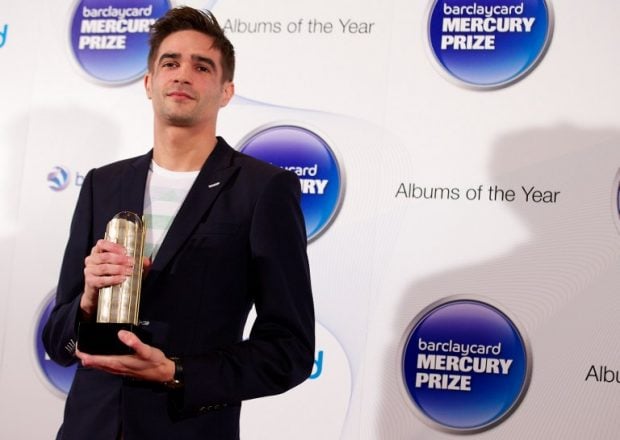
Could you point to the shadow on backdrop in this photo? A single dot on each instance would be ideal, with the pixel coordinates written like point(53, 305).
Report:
point(559, 285)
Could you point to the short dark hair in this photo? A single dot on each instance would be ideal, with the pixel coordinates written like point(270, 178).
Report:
point(185, 18)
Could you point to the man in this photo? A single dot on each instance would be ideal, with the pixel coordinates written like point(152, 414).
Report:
point(237, 239)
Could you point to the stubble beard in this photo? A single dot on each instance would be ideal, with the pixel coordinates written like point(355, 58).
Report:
point(179, 118)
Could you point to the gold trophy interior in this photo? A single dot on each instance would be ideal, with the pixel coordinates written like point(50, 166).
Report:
point(118, 306)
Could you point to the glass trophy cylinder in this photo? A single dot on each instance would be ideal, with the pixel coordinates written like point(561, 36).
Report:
point(118, 306)
point(120, 303)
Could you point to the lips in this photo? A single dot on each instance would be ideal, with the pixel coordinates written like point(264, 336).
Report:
point(180, 94)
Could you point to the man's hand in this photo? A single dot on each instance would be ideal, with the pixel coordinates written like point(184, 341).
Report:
point(147, 363)
point(107, 265)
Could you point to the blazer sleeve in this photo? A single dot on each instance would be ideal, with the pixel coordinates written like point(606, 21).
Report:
point(279, 353)
point(60, 331)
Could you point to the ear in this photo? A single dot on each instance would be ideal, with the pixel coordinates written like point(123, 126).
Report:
point(228, 92)
point(147, 84)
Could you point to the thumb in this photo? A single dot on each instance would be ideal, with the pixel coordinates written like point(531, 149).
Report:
point(132, 341)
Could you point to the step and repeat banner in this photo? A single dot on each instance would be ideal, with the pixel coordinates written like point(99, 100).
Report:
point(460, 168)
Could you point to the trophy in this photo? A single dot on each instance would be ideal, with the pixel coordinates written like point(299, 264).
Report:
point(118, 305)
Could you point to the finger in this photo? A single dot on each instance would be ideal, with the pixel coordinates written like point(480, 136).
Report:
point(123, 365)
point(98, 282)
point(111, 364)
point(130, 339)
point(106, 275)
point(146, 265)
point(108, 246)
point(108, 258)
point(107, 269)
point(87, 359)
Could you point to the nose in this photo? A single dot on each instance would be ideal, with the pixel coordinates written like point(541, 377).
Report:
point(183, 74)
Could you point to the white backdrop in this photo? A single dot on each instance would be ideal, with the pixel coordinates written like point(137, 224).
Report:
point(392, 118)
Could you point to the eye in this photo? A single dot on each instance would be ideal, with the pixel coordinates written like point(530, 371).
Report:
point(168, 65)
point(202, 68)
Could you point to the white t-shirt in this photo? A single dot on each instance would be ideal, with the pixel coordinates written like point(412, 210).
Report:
point(165, 192)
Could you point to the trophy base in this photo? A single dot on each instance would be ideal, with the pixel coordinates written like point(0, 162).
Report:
point(102, 338)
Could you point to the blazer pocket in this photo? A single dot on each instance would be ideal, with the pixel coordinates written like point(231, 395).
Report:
point(212, 229)
point(218, 237)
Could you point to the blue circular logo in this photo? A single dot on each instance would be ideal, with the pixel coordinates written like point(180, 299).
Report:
point(59, 377)
point(110, 39)
point(465, 365)
point(489, 44)
point(58, 179)
point(306, 154)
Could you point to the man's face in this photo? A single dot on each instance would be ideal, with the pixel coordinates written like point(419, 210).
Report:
point(185, 83)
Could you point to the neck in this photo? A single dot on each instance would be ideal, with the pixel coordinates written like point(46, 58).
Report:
point(182, 148)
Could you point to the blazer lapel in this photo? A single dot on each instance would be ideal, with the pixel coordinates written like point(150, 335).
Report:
point(134, 183)
point(213, 176)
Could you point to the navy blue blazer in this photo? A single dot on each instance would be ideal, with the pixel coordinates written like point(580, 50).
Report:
point(238, 239)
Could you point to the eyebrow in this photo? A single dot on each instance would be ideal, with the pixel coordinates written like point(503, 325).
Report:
point(199, 58)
